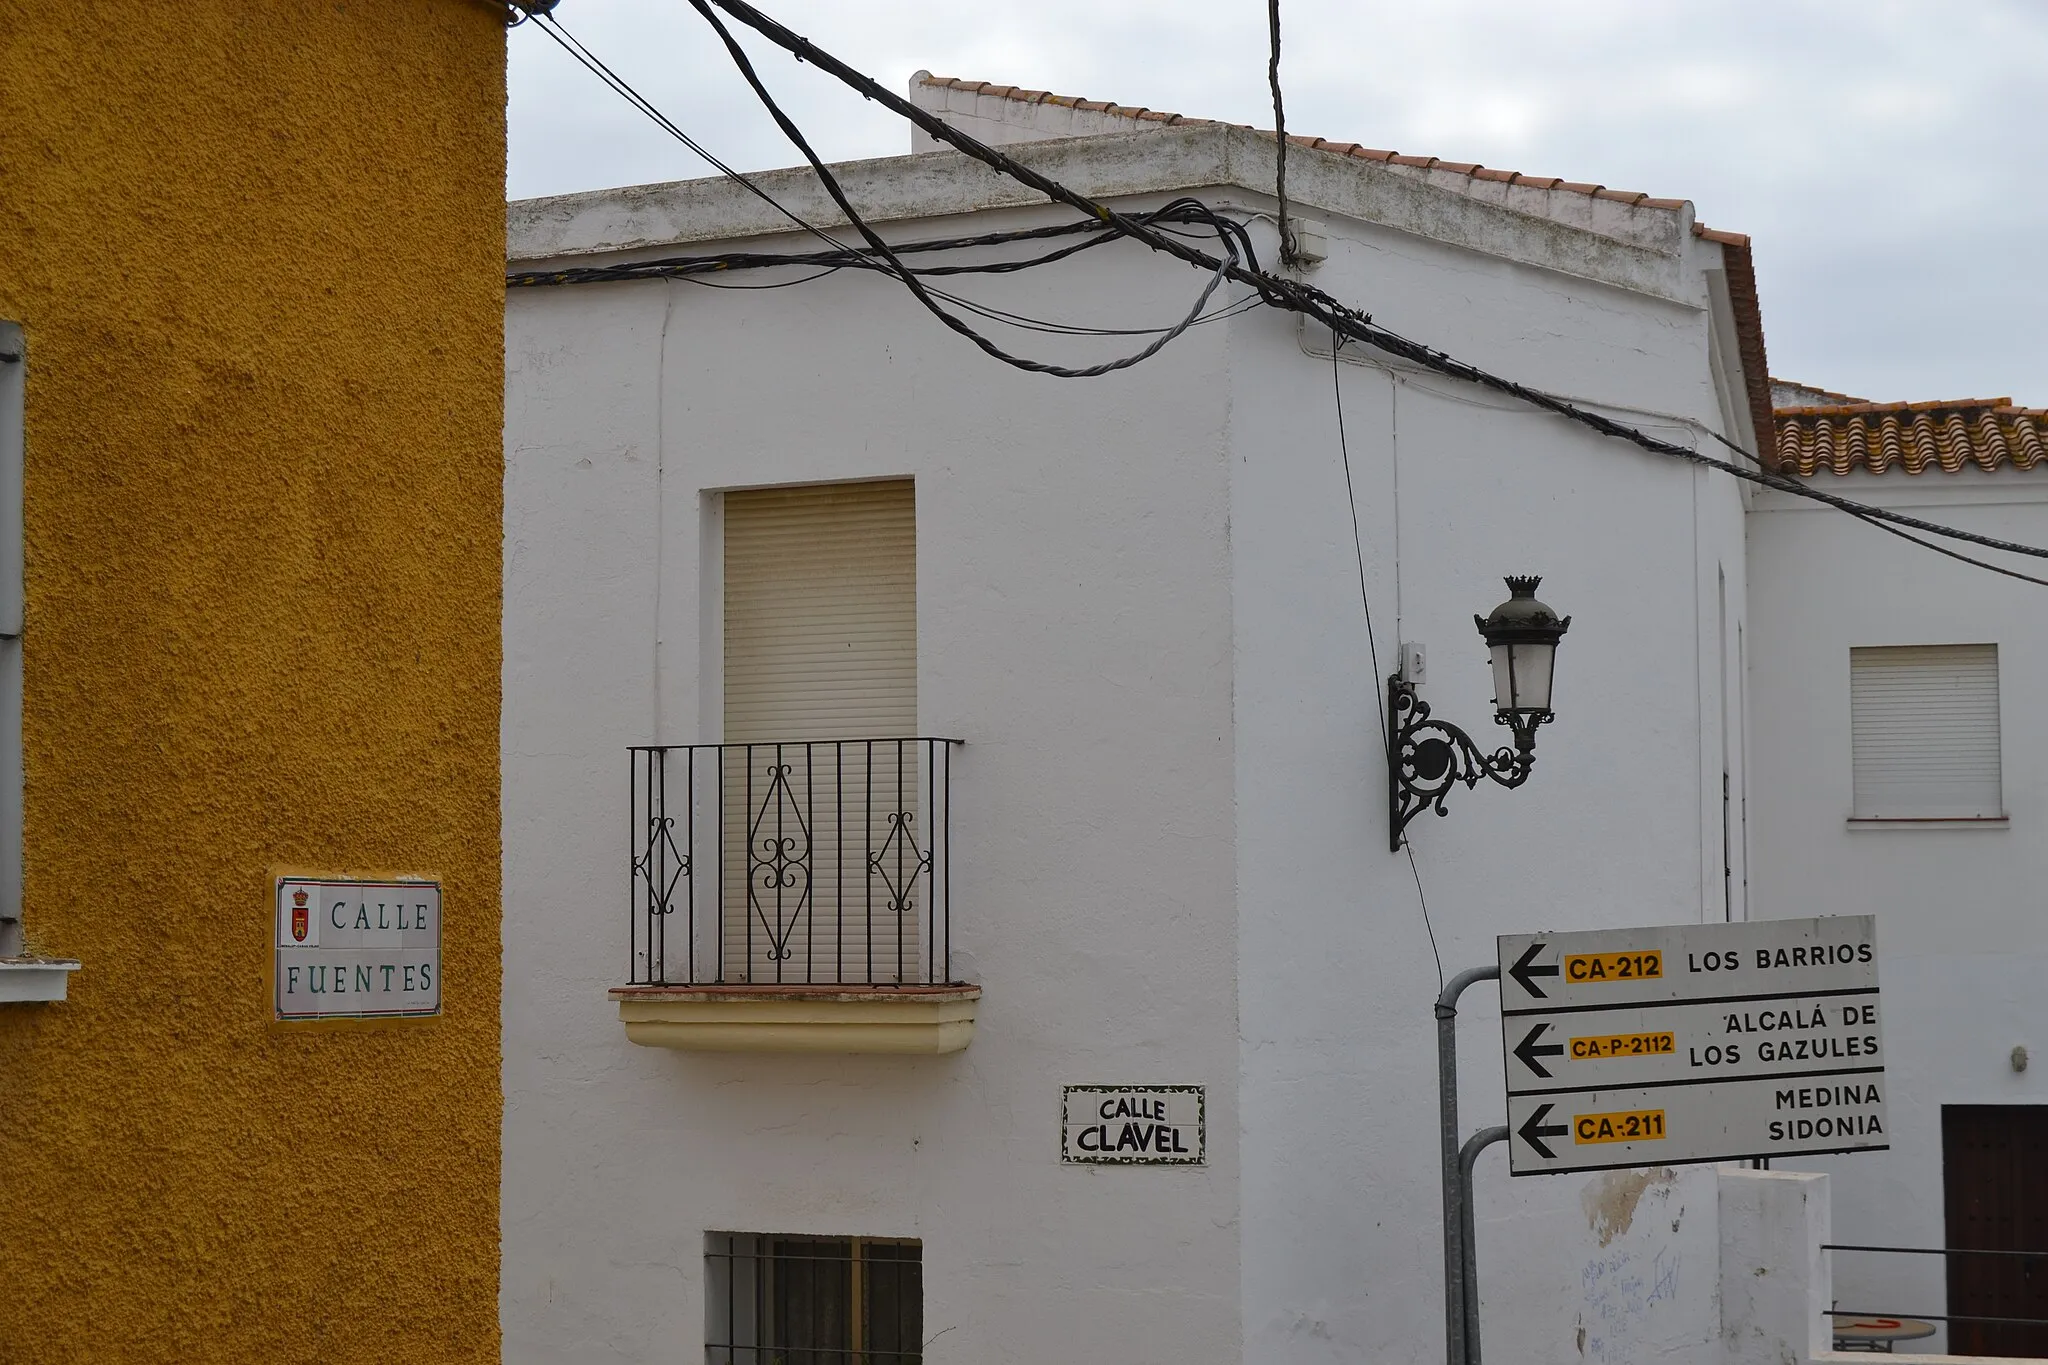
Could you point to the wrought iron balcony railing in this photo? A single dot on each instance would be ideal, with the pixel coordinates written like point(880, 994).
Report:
point(793, 863)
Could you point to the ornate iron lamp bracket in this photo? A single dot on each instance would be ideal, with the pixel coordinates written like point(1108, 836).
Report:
point(1426, 757)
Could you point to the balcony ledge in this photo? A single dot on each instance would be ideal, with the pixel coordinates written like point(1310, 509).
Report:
point(905, 1020)
point(34, 979)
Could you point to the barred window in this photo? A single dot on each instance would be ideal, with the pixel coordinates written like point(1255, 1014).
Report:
point(776, 1299)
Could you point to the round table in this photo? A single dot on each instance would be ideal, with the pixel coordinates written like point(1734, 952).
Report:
point(1878, 1334)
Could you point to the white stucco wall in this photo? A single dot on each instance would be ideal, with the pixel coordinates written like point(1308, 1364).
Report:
point(1138, 604)
point(1074, 625)
point(1962, 938)
point(1338, 979)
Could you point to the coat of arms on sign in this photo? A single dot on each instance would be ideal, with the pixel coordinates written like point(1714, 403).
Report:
point(300, 917)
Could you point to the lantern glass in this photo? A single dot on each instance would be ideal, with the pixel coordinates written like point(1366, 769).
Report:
point(1521, 676)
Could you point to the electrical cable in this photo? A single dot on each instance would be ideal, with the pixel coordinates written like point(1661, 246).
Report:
point(909, 278)
point(1293, 295)
point(1303, 298)
point(779, 284)
point(1680, 421)
point(1416, 873)
point(592, 63)
point(1371, 642)
point(840, 255)
point(1279, 135)
point(1972, 560)
point(690, 268)
point(1182, 210)
point(1445, 364)
point(1952, 554)
point(687, 267)
point(1031, 324)
point(525, 9)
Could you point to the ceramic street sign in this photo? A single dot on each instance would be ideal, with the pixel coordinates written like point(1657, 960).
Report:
point(1144, 1125)
point(357, 949)
point(1704, 1042)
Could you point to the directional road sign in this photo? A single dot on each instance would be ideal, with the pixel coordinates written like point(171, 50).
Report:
point(1700, 1042)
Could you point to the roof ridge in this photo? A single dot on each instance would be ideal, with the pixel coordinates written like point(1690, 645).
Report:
point(1819, 391)
point(1919, 405)
point(1469, 169)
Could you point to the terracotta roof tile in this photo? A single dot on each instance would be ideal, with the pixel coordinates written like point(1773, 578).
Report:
point(1947, 435)
point(1739, 264)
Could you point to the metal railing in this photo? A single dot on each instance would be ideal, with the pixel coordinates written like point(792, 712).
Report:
point(792, 863)
point(1966, 1318)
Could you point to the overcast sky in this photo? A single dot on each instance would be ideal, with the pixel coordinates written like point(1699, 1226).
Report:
point(1887, 158)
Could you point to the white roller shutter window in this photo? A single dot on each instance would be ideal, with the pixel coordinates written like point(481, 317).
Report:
point(821, 612)
point(820, 645)
point(1923, 723)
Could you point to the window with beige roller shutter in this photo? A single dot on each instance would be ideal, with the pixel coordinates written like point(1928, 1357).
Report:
point(1924, 732)
point(821, 790)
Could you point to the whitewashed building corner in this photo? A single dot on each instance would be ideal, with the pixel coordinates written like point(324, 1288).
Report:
point(1029, 962)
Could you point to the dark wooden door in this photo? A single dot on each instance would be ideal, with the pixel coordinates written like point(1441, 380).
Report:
point(1994, 1161)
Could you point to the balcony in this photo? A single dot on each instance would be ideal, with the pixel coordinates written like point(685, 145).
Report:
point(794, 896)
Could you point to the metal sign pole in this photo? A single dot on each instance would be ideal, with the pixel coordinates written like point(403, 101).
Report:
point(1447, 1133)
point(1467, 1156)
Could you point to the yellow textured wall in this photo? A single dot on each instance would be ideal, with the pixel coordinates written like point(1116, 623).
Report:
point(256, 246)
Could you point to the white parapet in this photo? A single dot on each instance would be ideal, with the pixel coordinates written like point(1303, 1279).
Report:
point(1776, 1286)
point(1776, 1282)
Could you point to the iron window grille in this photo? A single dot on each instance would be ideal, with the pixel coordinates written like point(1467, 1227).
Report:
point(775, 1299)
point(792, 863)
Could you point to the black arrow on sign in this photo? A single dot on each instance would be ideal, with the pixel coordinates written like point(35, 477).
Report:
point(1535, 1130)
point(1529, 1052)
point(1522, 971)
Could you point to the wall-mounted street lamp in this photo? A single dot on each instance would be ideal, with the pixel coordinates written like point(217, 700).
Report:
point(1425, 757)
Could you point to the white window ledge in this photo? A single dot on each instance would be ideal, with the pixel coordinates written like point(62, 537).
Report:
point(1929, 822)
point(34, 978)
point(898, 1019)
